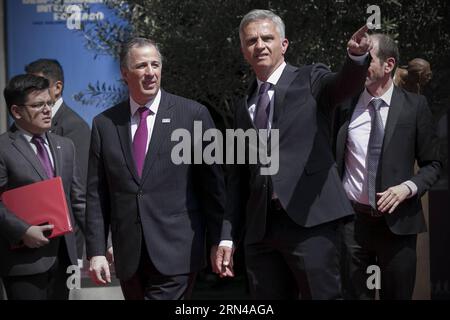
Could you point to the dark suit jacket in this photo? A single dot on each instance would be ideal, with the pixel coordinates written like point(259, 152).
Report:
point(20, 166)
point(409, 136)
point(307, 183)
point(68, 123)
point(171, 204)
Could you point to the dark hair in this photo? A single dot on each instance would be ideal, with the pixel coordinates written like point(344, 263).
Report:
point(135, 43)
point(387, 48)
point(19, 87)
point(50, 68)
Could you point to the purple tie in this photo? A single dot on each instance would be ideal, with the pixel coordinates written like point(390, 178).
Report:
point(262, 107)
point(140, 140)
point(42, 154)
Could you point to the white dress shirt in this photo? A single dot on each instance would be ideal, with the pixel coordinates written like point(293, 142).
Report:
point(153, 105)
point(355, 176)
point(56, 106)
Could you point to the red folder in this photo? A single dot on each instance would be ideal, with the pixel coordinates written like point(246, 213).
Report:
point(40, 203)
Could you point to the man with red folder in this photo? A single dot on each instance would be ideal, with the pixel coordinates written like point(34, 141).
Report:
point(33, 266)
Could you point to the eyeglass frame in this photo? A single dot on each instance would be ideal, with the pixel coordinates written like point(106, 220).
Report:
point(37, 108)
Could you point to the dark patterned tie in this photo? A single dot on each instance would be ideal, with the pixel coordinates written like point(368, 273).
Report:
point(262, 107)
point(140, 139)
point(43, 156)
point(374, 149)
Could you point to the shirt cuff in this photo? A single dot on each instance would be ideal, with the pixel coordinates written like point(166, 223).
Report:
point(358, 59)
point(226, 243)
point(412, 186)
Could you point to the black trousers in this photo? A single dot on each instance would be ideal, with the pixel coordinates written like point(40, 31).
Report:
point(294, 262)
point(149, 284)
point(50, 285)
point(369, 241)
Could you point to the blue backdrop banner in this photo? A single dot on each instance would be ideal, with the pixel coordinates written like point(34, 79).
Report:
point(42, 29)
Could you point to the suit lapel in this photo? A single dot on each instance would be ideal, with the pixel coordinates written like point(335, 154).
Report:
point(160, 132)
point(395, 109)
point(281, 88)
point(22, 145)
point(250, 92)
point(124, 131)
point(56, 128)
point(56, 150)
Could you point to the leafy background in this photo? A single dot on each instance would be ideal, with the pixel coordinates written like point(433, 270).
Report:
point(200, 43)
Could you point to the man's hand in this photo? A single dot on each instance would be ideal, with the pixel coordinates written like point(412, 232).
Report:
point(224, 262)
point(99, 270)
point(34, 236)
point(392, 197)
point(360, 43)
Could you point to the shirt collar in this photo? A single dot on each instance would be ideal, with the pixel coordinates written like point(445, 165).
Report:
point(275, 76)
point(386, 97)
point(56, 106)
point(152, 104)
point(28, 136)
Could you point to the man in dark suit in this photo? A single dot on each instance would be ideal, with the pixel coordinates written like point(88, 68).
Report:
point(158, 211)
point(381, 133)
point(30, 153)
point(291, 217)
point(65, 122)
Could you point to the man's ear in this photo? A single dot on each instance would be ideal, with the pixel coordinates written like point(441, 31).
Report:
point(15, 112)
point(284, 45)
point(389, 65)
point(58, 88)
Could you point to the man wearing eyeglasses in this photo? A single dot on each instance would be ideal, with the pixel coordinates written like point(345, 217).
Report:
point(65, 122)
point(29, 153)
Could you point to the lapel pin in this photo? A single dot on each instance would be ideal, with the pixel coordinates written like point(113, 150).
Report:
point(166, 120)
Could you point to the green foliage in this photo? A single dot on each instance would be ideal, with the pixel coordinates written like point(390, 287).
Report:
point(200, 42)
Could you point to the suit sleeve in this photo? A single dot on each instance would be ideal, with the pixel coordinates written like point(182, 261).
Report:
point(427, 153)
point(11, 227)
point(79, 133)
point(330, 89)
point(97, 205)
point(212, 187)
point(237, 194)
point(77, 194)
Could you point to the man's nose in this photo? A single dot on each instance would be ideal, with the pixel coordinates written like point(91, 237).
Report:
point(149, 71)
point(260, 43)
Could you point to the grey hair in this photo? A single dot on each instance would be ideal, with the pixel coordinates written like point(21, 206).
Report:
point(136, 43)
point(259, 14)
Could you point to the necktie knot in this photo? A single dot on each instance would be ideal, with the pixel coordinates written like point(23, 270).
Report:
point(143, 113)
point(38, 139)
point(265, 86)
point(376, 104)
